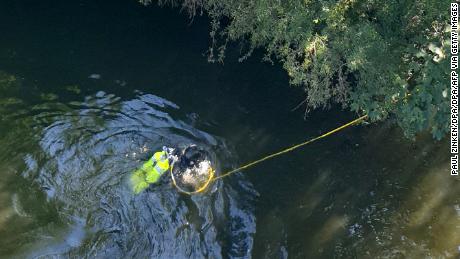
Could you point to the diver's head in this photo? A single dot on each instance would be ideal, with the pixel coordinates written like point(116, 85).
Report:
point(193, 168)
point(193, 155)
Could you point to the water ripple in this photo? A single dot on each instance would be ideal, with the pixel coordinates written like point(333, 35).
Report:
point(87, 150)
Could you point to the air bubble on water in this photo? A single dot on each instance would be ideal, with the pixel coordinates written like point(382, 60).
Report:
point(444, 93)
point(457, 209)
point(354, 229)
point(100, 94)
point(17, 206)
point(94, 76)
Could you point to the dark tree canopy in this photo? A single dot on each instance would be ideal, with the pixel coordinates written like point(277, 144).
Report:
point(381, 58)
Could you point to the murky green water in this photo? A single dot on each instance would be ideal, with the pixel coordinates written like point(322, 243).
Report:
point(88, 90)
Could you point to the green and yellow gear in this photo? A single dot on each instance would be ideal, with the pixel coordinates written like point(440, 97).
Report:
point(150, 172)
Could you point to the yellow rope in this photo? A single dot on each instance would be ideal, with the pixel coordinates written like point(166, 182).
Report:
point(212, 178)
point(291, 148)
point(201, 189)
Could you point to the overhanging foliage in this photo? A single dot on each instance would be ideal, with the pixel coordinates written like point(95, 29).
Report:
point(381, 58)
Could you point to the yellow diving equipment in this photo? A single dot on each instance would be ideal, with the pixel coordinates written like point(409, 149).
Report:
point(150, 172)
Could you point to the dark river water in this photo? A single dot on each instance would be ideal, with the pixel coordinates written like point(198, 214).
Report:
point(89, 89)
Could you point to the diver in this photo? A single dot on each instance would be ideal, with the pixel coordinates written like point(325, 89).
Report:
point(152, 170)
point(189, 159)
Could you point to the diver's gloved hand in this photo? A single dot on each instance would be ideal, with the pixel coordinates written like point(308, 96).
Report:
point(171, 156)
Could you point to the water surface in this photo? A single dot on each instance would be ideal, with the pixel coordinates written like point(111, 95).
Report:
point(88, 90)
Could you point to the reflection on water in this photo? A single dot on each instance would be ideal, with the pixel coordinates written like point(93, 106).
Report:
point(392, 200)
point(84, 154)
